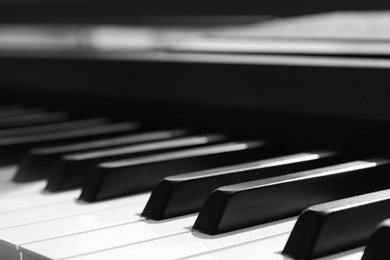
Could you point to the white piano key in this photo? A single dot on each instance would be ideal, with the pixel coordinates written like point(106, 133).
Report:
point(12, 238)
point(36, 199)
point(121, 235)
point(71, 225)
point(269, 249)
point(355, 254)
point(262, 254)
point(62, 210)
point(246, 251)
point(13, 189)
point(183, 244)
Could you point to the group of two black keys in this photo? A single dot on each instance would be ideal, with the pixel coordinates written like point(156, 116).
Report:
point(266, 183)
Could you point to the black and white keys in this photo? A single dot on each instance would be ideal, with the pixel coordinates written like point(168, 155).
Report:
point(91, 231)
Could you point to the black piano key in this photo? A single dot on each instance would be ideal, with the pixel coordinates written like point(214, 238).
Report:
point(337, 226)
point(33, 119)
point(12, 148)
point(47, 128)
point(37, 163)
point(72, 170)
point(252, 203)
point(378, 244)
point(184, 194)
point(114, 179)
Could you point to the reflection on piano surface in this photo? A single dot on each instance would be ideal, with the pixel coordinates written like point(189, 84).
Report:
point(122, 142)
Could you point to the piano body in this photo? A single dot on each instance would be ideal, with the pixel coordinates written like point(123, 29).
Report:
point(302, 101)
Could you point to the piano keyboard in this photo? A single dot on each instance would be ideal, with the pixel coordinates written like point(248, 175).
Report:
point(228, 198)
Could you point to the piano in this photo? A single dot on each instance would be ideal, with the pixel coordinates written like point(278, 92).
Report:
point(145, 141)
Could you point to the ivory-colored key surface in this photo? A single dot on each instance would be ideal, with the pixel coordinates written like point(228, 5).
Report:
point(13, 189)
point(259, 254)
point(113, 237)
point(62, 210)
point(171, 247)
point(36, 199)
point(71, 225)
point(267, 249)
point(12, 238)
point(247, 251)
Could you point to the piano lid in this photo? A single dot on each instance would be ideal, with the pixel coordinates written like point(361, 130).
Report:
point(337, 77)
point(340, 34)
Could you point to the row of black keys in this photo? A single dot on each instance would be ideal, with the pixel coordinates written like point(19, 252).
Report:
point(109, 160)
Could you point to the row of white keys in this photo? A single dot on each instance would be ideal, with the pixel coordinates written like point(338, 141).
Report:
point(61, 219)
point(63, 209)
point(269, 249)
point(34, 199)
point(113, 237)
point(166, 240)
point(13, 238)
point(267, 245)
point(101, 238)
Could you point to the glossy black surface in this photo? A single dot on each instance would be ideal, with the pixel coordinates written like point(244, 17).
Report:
point(37, 163)
point(54, 127)
point(185, 194)
point(17, 145)
point(378, 245)
point(32, 119)
point(242, 205)
point(116, 179)
point(72, 170)
point(337, 226)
